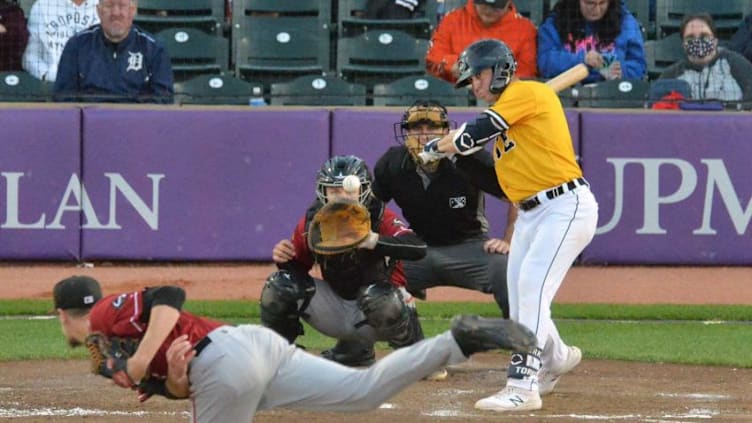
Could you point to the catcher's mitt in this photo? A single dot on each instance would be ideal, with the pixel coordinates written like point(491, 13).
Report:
point(338, 227)
point(109, 357)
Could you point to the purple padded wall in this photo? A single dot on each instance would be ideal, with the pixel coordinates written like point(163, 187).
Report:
point(39, 161)
point(673, 188)
point(231, 183)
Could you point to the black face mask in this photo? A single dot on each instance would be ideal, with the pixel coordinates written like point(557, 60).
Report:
point(699, 48)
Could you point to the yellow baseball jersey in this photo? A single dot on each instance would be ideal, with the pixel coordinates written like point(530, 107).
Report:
point(534, 151)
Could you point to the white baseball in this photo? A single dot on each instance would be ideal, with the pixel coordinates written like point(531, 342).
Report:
point(351, 183)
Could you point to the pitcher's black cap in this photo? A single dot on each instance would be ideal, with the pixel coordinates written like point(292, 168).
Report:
point(76, 292)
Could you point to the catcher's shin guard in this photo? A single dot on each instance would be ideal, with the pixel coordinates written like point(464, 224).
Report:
point(284, 298)
point(386, 311)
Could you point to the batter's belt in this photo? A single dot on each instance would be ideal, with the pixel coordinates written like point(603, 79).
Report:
point(552, 193)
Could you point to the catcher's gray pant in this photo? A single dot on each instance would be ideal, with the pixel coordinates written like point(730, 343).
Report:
point(464, 265)
point(249, 368)
point(334, 316)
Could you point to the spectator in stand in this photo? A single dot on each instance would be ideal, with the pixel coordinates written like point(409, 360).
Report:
point(477, 20)
point(13, 36)
point(602, 34)
point(713, 72)
point(392, 9)
point(115, 61)
point(51, 24)
point(741, 41)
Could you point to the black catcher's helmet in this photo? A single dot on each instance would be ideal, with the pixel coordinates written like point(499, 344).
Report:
point(334, 171)
point(486, 54)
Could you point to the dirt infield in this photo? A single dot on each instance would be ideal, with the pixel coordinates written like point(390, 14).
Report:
point(606, 391)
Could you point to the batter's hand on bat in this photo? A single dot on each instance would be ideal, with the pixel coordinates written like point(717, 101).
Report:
point(496, 246)
point(431, 152)
point(283, 252)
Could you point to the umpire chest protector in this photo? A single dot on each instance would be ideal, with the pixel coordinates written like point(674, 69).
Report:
point(346, 273)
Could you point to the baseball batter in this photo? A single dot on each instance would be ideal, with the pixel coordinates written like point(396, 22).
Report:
point(536, 168)
point(230, 372)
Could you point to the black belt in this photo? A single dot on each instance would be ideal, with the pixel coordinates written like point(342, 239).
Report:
point(203, 343)
point(534, 202)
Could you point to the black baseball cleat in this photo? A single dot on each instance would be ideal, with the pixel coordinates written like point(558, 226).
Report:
point(351, 353)
point(477, 334)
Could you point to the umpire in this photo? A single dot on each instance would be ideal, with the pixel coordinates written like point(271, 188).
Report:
point(444, 204)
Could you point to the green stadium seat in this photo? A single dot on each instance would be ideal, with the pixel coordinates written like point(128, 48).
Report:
point(193, 52)
point(158, 15)
point(317, 90)
point(216, 89)
point(22, 87)
point(405, 91)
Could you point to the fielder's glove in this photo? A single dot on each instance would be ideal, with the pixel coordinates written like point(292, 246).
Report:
point(109, 357)
point(338, 227)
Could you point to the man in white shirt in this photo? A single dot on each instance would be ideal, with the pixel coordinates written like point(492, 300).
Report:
point(51, 24)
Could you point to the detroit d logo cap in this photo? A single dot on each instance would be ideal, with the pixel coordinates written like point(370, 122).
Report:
point(76, 292)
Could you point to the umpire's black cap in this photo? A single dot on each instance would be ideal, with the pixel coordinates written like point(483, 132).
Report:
point(76, 292)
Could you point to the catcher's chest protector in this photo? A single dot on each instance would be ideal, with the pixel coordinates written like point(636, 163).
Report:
point(347, 273)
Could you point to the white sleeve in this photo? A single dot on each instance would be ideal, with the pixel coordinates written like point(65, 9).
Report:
point(33, 62)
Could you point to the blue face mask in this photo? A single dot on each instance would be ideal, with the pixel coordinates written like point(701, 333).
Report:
point(699, 48)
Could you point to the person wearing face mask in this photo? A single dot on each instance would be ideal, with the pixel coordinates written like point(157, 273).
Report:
point(444, 204)
point(713, 72)
point(478, 19)
point(602, 34)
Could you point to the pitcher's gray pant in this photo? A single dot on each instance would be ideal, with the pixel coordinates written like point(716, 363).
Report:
point(249, 368)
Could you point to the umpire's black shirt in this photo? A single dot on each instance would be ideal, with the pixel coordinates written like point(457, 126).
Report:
point(451, 208)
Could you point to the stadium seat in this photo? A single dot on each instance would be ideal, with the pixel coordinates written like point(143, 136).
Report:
point(661, 87)
point(352, 21)
point(20, 87)
point(377, 57)
point(570, 97)
point(25, 5)
point(727, 14)
point(615, 94)
point(317, 90)
point(193, 52)
point(276, 40)
point(157, 15)
point(641, 11)
point(660, 54)
point(531, 9)
point(405, 91)
point(216, 89)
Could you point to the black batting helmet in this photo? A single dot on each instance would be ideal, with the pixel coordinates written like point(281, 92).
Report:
point(485, 54)
point(334, 171)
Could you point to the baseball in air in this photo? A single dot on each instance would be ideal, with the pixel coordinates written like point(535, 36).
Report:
point(351, 183)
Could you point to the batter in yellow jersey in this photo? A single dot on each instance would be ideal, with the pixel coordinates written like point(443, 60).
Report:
point(536, 168)
point(534, 151)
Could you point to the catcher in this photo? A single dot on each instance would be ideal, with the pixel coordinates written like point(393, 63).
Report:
point(230, 372)
point(361, 298)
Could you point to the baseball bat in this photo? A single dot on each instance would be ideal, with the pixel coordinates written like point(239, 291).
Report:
point(568, 78)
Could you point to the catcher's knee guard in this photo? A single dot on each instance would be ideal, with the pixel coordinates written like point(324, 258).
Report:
point(283, 300)
point(386, 311)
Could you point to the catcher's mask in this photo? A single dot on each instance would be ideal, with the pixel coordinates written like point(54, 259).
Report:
point(421, 122)
point(334, 171)
point(486, 54)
